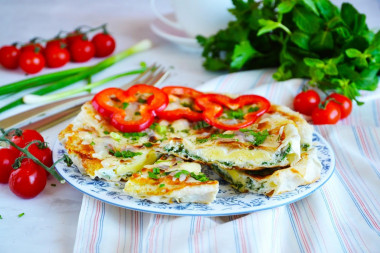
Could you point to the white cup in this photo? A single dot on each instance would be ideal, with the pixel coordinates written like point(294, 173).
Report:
point(198, 17)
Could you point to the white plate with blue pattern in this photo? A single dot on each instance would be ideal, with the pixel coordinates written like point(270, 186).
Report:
point(228, 200)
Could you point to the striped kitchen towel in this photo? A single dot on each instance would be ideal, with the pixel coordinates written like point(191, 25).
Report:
point(342, 216)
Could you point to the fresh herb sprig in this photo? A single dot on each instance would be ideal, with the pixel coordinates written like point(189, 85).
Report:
point(305, 39)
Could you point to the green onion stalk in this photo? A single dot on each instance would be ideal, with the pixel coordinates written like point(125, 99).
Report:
point(32, 99)
point(38, 80)
point(139, 47)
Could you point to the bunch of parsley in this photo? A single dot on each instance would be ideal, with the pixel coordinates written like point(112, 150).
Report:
point(304, 38)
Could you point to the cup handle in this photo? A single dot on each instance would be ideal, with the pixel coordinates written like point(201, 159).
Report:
point(162, 18)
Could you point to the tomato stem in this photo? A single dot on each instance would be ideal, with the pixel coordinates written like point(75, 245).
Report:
point(29, 155)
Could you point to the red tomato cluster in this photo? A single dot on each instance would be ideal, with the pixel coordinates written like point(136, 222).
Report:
point(75, 46)
point(29, 179)
point(330, 111)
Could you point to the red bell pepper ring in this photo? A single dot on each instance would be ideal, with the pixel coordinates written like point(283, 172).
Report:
point(180, 113)
point(213, 106)
point(110, 104)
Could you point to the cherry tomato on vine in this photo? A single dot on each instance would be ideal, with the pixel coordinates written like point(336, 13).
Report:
point(28, 180)
point(74, 36)
point(344, 103)
point(306, 101)
point(61, 43)
point(31, 62)
point(9, 56)
point(27, 136)
point(7, 159)
point(44, 154)
point(104, 44)
point(32, 47)
point(326, 113)
point(56, 56)
point(82, 50)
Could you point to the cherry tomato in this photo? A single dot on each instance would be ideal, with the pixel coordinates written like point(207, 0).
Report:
point(61, 43)
point(44, 155)
point(329, 114)
point(7, 159)
point(104, 44)
point(9, 56)
point(56, 56)
point(306, 101)
point(28, 180)
point(344, 103)
point(27, 136)
point(82, 50)
point(33, 47)
point(31, 62)
point(74, 36)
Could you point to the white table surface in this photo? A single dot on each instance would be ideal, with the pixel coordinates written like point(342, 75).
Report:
point(50, 220)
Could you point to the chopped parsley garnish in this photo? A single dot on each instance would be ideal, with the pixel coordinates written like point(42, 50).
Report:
point(152, 175)
point(124, 153)
point(188, 105)
point(225, 135)
point(305, 146)
point(161, 185)
point(1, 217)
point(141, 100)
point(235, 114)
point(148, 144)
point(92, 143)
point(106, 132)
point(124, 105)
point(21, 214)
point(186, 131)
point(253, 109)
point(200, 140)
point(200, 177)
point(134, 135)
point(156, 171)
point(179, 173)
point(153, 126)
point(200, 125)
point(171, 129)
point(260, 137)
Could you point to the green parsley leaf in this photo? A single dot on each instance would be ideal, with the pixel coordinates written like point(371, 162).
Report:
point(141, 100)
point(156, 171)
point(253, 109)
point(178, 174)
point(152, 175)
point(148, 144)
point(21, 214)
point(235, 114)
point(200, 177)
point(106, 132)
point(124, 153)
point(124, 105)
point(260, 137)
point(92, 143)
point(201, 140)
point(200, 125)
point(1, 217)
point(161, 185)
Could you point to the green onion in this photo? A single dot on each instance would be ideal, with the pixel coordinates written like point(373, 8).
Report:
point(31, 99)
point(21, 214)
point(141, 46)
point(161, 185)
point(39, 80)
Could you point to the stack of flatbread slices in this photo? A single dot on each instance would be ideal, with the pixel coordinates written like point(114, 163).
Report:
point(163, 163)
